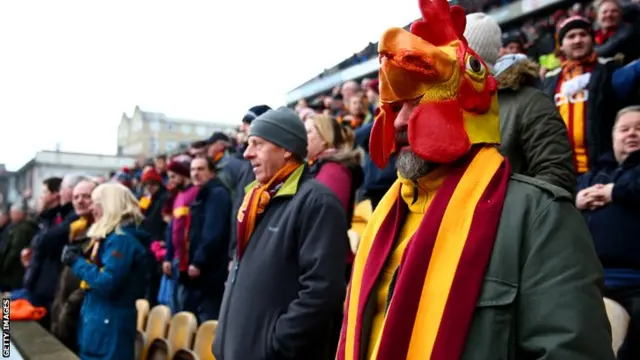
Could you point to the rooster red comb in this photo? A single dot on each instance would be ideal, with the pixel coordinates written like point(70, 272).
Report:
point(437, 14)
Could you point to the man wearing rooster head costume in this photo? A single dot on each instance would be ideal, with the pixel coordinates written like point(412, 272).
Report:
point(461, 259)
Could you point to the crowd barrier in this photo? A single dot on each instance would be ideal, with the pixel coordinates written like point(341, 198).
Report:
point(33, 342)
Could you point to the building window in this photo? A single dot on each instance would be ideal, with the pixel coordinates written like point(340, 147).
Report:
point(154, 125)
point(169, 126)
point(153, 145)
point(170, 146)
point(186, 129)
point(202, 130)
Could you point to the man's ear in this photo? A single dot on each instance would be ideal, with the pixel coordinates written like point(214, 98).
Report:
point(288, 154)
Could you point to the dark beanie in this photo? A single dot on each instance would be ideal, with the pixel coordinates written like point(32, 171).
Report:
point(180, 167)
point(282, 127)
point(254, 112)
point(510, 38)
point(574, 22)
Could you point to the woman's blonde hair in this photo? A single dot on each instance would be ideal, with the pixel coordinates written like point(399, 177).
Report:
point(335, 135)
point(118, 206)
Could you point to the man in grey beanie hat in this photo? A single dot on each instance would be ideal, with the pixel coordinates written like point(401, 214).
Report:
point(282, 127)
point(291, 235)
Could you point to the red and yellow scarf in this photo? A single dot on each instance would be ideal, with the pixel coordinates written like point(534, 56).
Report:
point(255, 202)
point(441, 273)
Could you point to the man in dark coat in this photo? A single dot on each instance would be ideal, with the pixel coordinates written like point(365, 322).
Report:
point(17, 238)
point(208, 241)
point(287, 277)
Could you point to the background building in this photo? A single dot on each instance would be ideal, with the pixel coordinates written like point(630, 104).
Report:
point(57, 163)
point(149, 133)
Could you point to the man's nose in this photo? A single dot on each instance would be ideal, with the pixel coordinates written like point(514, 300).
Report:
point(402, 120)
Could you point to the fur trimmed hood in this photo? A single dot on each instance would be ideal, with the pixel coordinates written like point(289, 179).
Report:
point(346, 157)
point(520, 74)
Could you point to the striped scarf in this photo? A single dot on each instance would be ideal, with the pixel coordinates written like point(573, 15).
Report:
point(255, 202)
point(440, 276)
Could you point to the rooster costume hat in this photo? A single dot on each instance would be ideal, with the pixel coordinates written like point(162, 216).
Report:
point(422, 264)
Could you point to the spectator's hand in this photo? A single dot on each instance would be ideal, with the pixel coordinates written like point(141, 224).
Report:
point(25, 257)
point(166, 268)
point(542, 72)
point(586, 197)
point(603, 194)
point(193, 271)
point(70, 253)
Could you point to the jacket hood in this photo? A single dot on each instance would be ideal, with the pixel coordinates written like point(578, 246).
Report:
point(520, 74)
point(347, 158)
point(138, 232)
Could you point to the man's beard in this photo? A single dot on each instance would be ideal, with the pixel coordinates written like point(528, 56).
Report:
point(411, 166)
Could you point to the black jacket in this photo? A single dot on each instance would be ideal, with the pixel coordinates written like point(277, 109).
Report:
point(282, 295)
point(602, 107)
point(153, 223)
point(41, 277)
point(209, 237)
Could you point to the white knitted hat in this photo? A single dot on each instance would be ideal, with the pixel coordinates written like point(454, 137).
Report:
point(484, 36)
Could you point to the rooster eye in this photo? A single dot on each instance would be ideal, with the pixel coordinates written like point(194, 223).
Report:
point(474, 65)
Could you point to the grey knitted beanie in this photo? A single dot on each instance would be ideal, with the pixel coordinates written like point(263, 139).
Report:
point(484, 36)
point(284, 128)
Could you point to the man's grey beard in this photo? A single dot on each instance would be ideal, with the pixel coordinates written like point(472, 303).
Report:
point(411, 166)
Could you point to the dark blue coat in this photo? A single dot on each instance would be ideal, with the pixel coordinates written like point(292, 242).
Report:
point(41, 277)
point(615, 226)
point(107, 328)
point(209, 237)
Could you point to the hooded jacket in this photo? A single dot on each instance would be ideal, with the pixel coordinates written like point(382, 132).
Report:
point(533, 134)
point(325, 168)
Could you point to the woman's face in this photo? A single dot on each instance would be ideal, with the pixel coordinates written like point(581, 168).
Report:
point(96, 208)
point(315, 143)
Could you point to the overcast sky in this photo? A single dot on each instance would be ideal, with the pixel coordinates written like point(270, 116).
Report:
point(69, 69)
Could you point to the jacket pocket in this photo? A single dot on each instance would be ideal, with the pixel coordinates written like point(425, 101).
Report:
point(491, 335)
point(270, 352)
point(97, 335)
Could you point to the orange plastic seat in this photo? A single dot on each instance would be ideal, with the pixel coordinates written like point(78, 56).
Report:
point(156, 328)
point(204, 340)
point(142, 306)
point(182, 331)
point(619, 320)
point(202, 345)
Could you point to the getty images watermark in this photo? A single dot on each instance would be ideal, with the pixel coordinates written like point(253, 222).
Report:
point(6, 327)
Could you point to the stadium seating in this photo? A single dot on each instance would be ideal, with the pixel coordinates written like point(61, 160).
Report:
point(619, 319)
point(178, 337)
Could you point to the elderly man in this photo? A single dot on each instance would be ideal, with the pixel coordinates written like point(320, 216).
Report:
point(44, 268)
point(287, 278)
point(609, 198)
point(462, 260)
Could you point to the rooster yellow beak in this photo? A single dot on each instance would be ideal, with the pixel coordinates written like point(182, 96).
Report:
point(409, 65)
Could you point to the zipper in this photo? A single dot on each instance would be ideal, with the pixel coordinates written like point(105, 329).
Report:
point(225, 316)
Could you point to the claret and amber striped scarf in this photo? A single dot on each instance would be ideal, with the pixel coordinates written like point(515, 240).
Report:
point(441, 273)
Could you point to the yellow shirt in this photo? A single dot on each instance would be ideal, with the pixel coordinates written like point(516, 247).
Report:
point(427, 188)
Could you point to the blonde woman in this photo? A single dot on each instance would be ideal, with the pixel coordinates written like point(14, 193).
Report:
point(114, 276)
point(334, 162)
